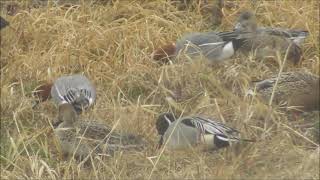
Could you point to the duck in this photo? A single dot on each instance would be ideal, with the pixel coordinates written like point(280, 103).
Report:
point(266, 42)
point(3, 23)
point(294, 88)
point(214, 46)
point(75, 89)
point(191, 131)
point(247, 21)
point(82, 138)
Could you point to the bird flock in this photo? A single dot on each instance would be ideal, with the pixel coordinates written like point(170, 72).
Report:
point(73, 94)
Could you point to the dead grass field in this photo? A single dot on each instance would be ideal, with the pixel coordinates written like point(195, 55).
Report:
point(112, 45)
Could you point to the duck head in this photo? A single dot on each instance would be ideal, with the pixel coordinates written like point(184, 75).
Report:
point(67, 114)
point(163, 122)
point(42, 93)
point(162, 54)
point(246, 22)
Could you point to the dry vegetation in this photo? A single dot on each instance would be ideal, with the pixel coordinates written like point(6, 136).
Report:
point(112, 44)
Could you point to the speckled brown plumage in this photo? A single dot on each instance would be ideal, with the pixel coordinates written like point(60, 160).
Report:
point(296, 88)
point(85, 137)
point(265, 44)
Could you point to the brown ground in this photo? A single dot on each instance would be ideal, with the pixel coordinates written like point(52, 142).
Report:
point(112, 44)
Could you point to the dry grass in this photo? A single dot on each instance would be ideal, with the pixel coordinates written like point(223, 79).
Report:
point(111, 45)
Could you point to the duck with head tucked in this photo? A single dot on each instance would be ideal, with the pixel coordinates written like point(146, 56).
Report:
point(214, 46)
point(84, 138)
point(190, 131)
point(298, 89)
point(266, 41)
point(76, 90)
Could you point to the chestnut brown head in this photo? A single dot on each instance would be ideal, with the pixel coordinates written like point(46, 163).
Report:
point(42, 93)
point(164, 53)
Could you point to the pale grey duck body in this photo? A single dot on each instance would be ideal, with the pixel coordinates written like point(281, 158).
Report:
point(76, 90)
point(214, 46)
point(191, 131)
